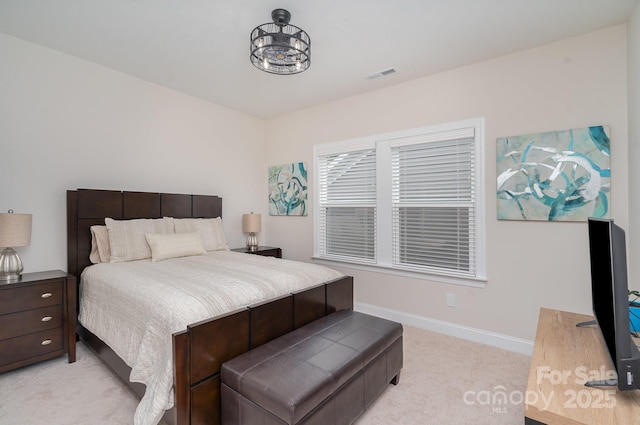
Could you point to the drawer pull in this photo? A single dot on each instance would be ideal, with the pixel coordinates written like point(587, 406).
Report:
point(46, 318)
point(46, 342)
point(46, 295)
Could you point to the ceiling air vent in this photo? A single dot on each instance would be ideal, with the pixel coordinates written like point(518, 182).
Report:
point(382, 73)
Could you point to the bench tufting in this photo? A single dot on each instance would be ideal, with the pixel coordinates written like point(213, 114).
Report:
point(326, 372)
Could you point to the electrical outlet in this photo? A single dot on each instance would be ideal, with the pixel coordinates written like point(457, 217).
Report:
point(451, 300)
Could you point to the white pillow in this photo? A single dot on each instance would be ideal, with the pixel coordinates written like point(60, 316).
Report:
point(100, 252)
point(173, 245)
point(210, 230)
point(127, 237)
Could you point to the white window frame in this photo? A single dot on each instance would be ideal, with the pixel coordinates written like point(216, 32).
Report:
point(384, 237)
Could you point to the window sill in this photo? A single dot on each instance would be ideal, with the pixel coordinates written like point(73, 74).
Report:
point(375, 268)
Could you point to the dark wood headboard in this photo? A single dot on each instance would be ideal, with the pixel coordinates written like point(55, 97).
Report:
point(88, 207)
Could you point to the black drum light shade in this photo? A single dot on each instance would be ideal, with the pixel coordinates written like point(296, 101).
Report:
point(280, 48)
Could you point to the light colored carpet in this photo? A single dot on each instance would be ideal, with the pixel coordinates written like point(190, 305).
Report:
point(444, 381)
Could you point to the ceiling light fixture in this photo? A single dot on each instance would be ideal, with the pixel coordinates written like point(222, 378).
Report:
point(280, 48)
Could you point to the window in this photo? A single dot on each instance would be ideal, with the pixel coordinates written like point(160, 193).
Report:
point(408, 201)
point(348, 205)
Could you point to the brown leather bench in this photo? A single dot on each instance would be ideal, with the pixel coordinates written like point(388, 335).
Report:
point(327, 372)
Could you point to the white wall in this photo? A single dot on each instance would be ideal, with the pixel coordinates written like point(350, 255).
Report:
point(633, 37)
point(570, 84)
point(67, 123)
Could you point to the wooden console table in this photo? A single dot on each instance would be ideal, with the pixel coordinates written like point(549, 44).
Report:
point(564, 357)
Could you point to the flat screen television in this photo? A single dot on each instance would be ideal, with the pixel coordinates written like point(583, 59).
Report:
point(610, 300)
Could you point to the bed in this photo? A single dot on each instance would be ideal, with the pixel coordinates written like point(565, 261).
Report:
point(199, 350)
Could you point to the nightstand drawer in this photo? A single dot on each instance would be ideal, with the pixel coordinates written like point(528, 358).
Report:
point(29, 297)
point(270, 252)
point(24, 347)
point(30, 321)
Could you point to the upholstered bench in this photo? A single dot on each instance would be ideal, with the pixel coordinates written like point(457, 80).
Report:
point(324, 373)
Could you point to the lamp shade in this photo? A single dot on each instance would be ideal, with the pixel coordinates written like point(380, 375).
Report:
point(250, 223)
point(15, 229)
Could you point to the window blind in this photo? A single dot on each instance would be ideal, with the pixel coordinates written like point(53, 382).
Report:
point(347, 205)
point(433, 205)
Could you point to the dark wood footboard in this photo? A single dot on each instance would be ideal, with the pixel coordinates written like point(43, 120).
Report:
point(200, 350)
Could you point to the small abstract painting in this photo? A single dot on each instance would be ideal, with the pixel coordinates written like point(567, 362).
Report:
point(556, 176)
point(288, 189)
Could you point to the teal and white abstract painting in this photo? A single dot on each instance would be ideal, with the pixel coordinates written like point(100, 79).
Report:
point(555, 176)
point(288, 189)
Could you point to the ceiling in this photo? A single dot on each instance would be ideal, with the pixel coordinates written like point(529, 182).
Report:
point(201, 47)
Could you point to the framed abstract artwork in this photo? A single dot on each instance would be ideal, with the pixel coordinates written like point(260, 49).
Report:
point(555, 176)
point(288, 189)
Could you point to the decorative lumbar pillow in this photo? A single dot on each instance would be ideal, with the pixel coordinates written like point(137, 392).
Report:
point(100, 251)
point(173, 245)
point(210, 230)
point(127, 239)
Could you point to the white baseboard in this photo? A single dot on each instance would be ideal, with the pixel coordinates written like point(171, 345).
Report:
point(505, 342)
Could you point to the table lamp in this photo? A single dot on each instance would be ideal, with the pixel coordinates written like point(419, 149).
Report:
point(251, 225)
point(15, 230)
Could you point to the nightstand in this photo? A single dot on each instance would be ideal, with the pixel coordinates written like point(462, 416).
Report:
point(37, 319)
point(266, 251)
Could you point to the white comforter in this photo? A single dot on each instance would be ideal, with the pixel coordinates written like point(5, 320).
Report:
point(134, 307)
